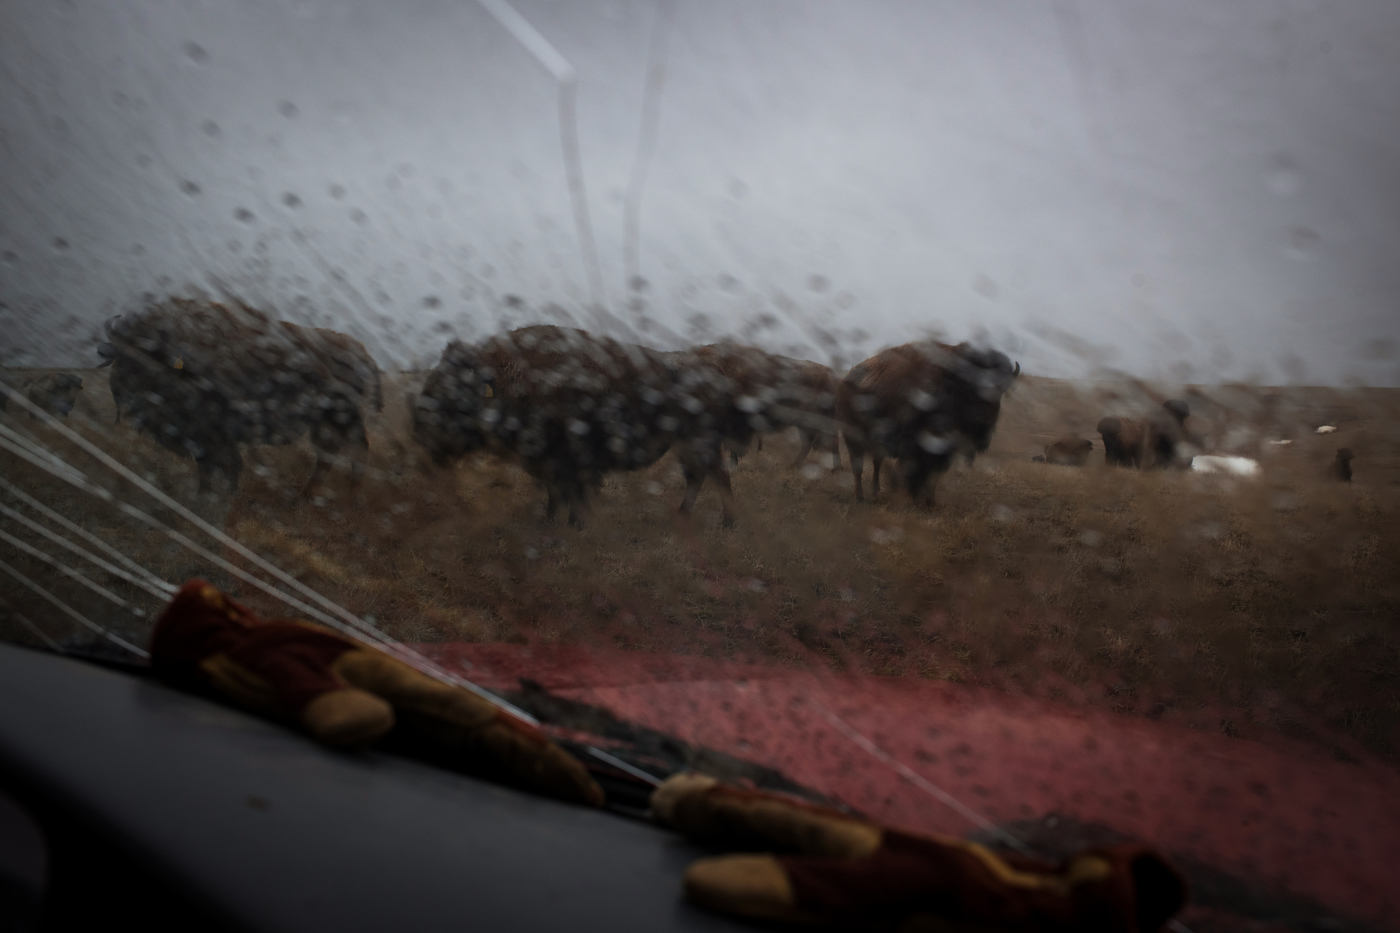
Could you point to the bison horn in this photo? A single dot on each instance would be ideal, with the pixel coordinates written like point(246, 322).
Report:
point(107, 324)
point(1017, 370)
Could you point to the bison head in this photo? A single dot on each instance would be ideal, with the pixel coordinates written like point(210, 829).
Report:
point(1177, 409)
point(105, 350)
point(458, 408)
point(986, 376)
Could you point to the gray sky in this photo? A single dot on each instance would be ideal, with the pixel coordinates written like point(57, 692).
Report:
point(1182, 188)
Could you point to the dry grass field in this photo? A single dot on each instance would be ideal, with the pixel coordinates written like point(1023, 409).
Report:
point(1255, 607)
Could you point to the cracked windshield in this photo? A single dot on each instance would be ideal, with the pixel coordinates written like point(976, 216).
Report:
point(970, 429)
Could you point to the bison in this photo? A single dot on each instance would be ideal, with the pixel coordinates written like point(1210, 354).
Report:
point(55, 393)
point(1342, 466)
point(1122, 441)
point(571, 407)
point(201, 378)
point(1159, 441)
point(792, 393)
point(921, 403)
point(1168, 438)
point(1069, 451)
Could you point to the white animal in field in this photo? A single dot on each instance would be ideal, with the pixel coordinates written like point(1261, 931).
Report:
point(1232, 466)
point(1326, 428)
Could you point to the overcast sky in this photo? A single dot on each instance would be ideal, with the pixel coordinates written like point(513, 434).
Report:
point(1186, 188)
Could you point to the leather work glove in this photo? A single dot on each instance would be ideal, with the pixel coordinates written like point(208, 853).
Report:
point(346, 693)
point(838, 869)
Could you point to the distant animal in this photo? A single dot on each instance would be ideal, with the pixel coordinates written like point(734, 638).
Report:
point(921, 403)
point(1168, 438)
point(793, 393)
point(201, 378)
point(1160, 440)
point(572, 407)
point(55, 393)
point(1069, 451)
point(1326, 428)
point(1123, 441)
point(1342, 467)
point(1038, 458)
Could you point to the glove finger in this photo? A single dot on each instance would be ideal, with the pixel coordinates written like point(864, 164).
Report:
point(467, 731)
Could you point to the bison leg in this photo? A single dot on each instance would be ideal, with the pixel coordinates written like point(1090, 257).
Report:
point(576, 492)
point(920, 487)
point(329, 440)
point(808, 439)
point(835, 452)
point(696, 466)
point(694, 480)
point(318, 475)
point(857, 455)
point(726, 492)
point(227, 463)
point(875, 476)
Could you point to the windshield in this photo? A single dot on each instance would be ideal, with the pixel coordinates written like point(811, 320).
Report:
point(979, 418)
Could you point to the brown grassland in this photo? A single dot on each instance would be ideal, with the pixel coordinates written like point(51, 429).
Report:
point(1254, 606)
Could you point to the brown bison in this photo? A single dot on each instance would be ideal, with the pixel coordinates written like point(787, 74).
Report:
point(1069, 451)
point(1168, 437)
point(1342, 467)
point(572, 407)
point(792, 393)
point(921, 403)
point(1123, 441)
point(1159, 441)
point(55, 393)
point(202, 378)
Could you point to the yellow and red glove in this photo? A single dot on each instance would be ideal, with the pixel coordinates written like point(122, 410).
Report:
point(838, 869)
point(346, 693)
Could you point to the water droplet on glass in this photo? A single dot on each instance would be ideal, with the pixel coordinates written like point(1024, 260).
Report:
point(984, 286)
point(291, 200)
point(288, 109)
point(195, 53)
point(337, 191)
point(188, 187)
point(432, 301)
point(244, 215)
point(359, 216)
point(59, 243)
point(210, 128)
